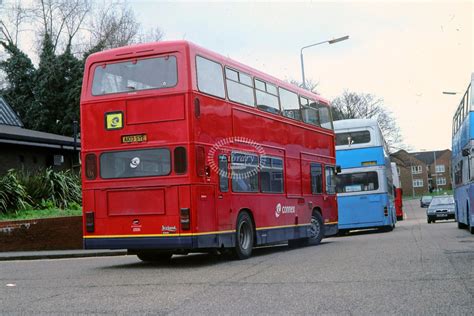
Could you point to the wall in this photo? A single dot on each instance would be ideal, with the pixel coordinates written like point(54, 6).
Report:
point(41, 234)
point(31, 158)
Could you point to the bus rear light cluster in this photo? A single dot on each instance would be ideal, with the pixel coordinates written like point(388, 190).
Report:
point(90, 225)
point(91, 166)
point(385, 211)
point(185, 219)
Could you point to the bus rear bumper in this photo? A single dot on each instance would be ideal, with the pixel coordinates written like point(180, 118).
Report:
point(140, 243)
point(162, 242)
point(330, 230)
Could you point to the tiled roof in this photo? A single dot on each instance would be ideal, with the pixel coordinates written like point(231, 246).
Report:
point(22, 134)
point(7, 115)
point(428, 156)
point(12, 131)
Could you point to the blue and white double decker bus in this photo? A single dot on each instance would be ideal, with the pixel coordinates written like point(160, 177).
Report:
point(364, 186)
point(462, 159)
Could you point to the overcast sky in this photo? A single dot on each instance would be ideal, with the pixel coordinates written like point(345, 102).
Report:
point(404, 52)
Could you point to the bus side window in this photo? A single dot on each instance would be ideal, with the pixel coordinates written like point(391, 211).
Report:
point(316, 178)
point(223, 174)
point(290, 104)
point(330, 180)
point(210, 78)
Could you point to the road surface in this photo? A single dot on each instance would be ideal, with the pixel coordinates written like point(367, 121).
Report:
point(418, 268)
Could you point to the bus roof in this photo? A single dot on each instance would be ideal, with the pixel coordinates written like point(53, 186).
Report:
point(138, 50)
point(354, 123)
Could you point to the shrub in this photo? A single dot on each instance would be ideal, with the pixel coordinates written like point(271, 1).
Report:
point(13, 195)
point(49, 188)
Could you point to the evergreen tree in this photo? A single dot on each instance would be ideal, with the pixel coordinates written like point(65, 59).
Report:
point(71, 69)
point(20, 74)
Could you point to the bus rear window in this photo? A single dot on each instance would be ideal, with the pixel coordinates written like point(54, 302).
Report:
point(351, 138)
point(135, 163)
point(357, 182)
point(133, 75)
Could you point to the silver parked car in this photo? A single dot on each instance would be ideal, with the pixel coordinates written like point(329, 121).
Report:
point(441, 207)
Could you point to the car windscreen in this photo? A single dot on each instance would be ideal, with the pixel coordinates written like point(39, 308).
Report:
point(442, 200)
point(134, 75)
point(426, 198)
point(135, 163)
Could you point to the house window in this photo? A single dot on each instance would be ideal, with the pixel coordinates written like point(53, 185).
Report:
point(416, 169)
point(440, 168)
point(418, 183)
point(441, 181)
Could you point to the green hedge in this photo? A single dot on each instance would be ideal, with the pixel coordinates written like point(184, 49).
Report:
point(20, 190)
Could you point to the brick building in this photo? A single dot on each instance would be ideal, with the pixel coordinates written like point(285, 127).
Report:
point(424, 172)
point(22, 148)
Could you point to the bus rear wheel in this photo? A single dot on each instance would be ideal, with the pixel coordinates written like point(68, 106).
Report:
point(244, 236)
point(149, 256)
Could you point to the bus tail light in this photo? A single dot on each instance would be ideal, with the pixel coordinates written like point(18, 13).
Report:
point(90, 225)
point(385, 211)
point(185, 219)
point(91, 166)
point(200, 161)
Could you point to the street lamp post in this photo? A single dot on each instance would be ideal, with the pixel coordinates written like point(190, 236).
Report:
point(333, 41)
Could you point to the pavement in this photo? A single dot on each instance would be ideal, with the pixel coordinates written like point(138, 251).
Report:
point(58, 254)
point(417, 269)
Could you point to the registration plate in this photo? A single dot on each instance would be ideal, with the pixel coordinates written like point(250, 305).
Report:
point(442, 215)
point(134, 138)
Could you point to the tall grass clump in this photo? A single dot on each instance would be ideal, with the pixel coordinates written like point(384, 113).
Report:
point(61, 188)
point(13, 194)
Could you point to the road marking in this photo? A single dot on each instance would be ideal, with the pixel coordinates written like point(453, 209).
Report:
point(11, 285)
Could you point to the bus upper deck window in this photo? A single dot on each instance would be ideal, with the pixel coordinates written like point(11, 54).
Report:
point(134, 75)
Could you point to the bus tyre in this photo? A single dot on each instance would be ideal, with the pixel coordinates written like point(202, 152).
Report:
point(471, 229)
point(461, 225)
point(147, 256)
point(316, 230)
point(244, 236)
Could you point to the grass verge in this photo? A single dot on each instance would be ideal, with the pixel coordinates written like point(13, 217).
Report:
point(38, 214)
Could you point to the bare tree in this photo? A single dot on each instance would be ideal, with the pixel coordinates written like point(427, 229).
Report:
point(114, 25)
point(13, 18)
point(74, 13)
point(352, 105)
point(151, 35)
point(81, 25)
point(310, 85)
point(61, 20)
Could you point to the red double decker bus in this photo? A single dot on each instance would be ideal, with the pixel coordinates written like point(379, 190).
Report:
point(185, 150)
